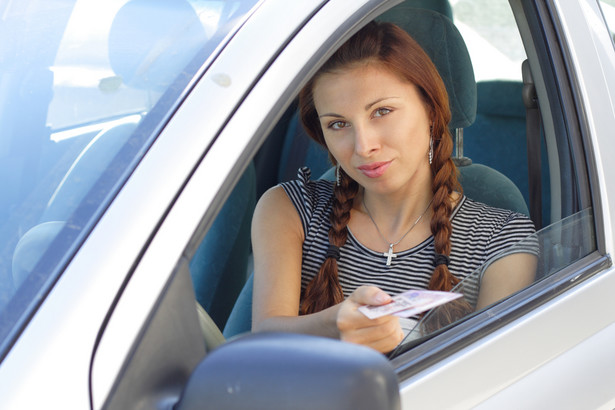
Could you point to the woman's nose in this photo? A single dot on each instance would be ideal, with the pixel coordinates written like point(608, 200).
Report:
point(366, 141)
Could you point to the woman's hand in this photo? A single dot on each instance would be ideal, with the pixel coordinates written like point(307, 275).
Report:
point(382, 334)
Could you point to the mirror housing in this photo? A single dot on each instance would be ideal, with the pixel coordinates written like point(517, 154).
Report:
point(291, 371)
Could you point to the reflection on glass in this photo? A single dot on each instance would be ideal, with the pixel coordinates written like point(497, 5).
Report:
point(530, 260)
point(84, 87)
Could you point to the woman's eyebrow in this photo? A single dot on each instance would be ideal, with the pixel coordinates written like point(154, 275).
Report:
point(370, 105)
point(367, 107)
point(330, 114)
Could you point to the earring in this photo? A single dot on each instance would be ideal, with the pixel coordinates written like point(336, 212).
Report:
point(430, 150)
point(337, 175)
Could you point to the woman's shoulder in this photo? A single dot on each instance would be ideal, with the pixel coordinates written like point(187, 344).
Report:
point(477, 213)
point(305, 189)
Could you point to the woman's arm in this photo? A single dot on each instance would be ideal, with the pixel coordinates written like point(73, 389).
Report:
point(277, 239)
point(505, 277)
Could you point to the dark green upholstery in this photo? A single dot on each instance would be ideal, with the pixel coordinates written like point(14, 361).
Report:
point(240, 319)
point(441, 6)
point(441, 40)
point(499, 132)
point(491, 187)
point(219, 266)
point(300, 149)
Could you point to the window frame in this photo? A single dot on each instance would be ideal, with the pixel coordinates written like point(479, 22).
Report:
point(546, 51)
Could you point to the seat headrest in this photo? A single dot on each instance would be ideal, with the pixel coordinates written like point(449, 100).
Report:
point(441, 6)
point(441, 40)
point(150, 41)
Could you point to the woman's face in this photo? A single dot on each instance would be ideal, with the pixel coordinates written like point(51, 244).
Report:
point(376, 126)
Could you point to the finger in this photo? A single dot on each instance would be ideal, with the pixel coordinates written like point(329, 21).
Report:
point(370, 295)
point(384, 331)
point(384, 344)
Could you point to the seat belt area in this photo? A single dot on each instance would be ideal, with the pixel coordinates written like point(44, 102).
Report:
point(532, 131)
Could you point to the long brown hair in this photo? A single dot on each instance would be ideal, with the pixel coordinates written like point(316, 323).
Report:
point(393, 49)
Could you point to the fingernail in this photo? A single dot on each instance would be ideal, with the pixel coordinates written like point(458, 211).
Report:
point(382, 297)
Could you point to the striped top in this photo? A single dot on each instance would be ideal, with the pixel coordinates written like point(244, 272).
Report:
point(480, 232)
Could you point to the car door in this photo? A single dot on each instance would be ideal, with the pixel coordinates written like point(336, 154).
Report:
point(489, 357)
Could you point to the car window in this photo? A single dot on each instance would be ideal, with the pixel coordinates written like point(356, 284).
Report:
point(84, 90)
point(554, 248)
point(495, 141)
point(492, 37)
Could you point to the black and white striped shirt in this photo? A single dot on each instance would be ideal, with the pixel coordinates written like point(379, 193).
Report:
point(480, 233)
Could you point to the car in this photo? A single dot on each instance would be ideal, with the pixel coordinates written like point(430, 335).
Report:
point(137, 136)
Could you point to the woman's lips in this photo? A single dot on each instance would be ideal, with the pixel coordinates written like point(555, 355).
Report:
point(375, 169)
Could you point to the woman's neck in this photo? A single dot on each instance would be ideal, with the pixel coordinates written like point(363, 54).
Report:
point(395, 212)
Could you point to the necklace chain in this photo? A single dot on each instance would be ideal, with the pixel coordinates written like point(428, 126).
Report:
point(390, 253)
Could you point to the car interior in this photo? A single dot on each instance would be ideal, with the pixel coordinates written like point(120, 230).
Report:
point(489, 127)
point(491, 123)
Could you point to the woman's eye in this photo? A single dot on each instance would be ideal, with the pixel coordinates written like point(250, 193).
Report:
point(338, 125)
point(381, 112)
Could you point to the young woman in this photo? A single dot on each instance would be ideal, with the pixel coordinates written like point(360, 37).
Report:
point(394, 220)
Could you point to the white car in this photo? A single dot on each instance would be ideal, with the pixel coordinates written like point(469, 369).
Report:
point(137, 135)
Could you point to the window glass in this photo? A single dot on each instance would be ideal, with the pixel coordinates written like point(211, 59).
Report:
point(608, 11)
point(554, 247)
point(489, 30)
point(83, 88)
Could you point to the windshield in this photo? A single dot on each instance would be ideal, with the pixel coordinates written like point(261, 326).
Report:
point(85, 87)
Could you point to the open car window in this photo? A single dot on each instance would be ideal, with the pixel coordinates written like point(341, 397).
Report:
point(496, 139)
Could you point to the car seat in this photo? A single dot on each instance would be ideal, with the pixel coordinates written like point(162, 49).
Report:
point(219, 266)
point(500, 132)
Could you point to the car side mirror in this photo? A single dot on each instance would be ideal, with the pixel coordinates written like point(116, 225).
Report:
point(290, 371)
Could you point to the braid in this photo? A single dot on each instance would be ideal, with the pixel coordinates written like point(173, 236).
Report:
point(444, 183)
point(325, 289)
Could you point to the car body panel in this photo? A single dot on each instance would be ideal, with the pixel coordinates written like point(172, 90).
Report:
point(482, 371)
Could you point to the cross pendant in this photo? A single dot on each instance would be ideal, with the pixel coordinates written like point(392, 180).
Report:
point(390, 255)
